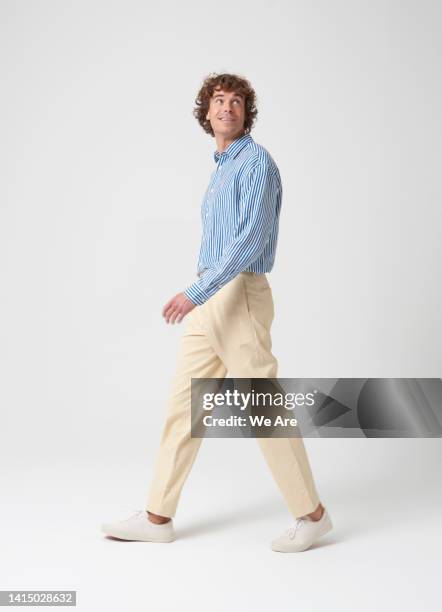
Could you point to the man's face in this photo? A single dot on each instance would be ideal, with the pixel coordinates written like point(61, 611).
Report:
point(226, 113)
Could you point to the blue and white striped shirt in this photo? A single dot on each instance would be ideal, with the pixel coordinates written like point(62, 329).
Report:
point(240, 216)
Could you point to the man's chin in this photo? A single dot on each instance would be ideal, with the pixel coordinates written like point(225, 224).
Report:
point(227, 130)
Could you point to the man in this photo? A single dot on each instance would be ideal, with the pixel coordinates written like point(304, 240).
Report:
point(230, 312)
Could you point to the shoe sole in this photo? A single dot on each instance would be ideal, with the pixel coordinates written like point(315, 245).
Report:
point(122, 536)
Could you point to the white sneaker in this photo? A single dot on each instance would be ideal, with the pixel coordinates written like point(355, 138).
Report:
point(303, 534)
point(139, 527)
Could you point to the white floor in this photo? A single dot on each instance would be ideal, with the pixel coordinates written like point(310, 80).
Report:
point(385, 552)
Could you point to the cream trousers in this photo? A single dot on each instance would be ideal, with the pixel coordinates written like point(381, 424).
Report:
point(229, 333)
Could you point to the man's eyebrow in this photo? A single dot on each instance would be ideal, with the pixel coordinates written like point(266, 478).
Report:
point(236, 95)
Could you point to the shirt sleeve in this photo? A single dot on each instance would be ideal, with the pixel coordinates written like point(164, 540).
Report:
point(257, 210)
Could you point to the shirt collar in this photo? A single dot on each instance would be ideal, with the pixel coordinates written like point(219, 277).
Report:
point(234, 147)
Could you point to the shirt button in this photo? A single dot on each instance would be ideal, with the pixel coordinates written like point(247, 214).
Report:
point(211, 191)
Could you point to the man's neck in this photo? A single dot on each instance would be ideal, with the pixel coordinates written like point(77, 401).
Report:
point(222, 142)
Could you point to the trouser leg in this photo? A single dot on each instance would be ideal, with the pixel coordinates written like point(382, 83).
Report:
point(178, 450)
point(238, 319)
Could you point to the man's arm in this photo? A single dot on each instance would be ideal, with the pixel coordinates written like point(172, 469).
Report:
point(257, 212)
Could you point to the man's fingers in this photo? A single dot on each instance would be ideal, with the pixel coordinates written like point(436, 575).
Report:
point(169, 315)
point(168, 312)
point(178, 314)
point(172, 312)
point(180, 317)
point(167, 306)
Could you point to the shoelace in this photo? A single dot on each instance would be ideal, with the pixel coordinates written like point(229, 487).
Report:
point(292, 531)
point(137, 513)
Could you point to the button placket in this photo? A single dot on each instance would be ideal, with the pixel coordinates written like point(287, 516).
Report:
point(218, 174)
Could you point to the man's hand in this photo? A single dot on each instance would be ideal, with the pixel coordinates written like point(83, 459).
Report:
point(177, 308)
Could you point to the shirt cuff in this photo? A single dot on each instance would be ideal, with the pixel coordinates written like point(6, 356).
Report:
point(196, 294)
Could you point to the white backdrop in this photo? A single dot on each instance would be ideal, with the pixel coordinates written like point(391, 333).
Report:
point(104, 168)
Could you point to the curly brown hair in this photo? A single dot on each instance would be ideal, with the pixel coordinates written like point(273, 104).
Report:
point(227, 82)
